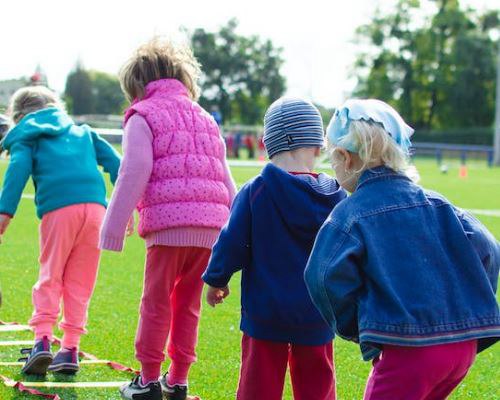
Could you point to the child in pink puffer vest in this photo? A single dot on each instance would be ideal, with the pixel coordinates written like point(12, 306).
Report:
point(175, 173)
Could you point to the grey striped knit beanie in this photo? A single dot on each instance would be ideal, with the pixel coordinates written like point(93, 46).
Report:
point(292, 123)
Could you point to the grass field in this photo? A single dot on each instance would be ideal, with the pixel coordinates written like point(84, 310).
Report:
point(113, 312)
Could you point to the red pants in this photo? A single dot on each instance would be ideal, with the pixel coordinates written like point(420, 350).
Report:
point(264, 364)
point(170, 308)
point(419, 373)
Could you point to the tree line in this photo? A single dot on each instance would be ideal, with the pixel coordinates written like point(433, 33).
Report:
point(437, 68)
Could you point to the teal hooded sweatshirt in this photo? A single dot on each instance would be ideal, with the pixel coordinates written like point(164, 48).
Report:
point(62, 158)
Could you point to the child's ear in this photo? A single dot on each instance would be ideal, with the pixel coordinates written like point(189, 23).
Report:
point(346, 158)
point(317, 151)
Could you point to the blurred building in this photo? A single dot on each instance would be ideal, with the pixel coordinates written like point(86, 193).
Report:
point(9, 86)
point(7, 89)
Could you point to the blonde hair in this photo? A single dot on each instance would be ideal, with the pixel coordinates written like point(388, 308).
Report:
point(159, 59)
point(375, 146)
point(30, 99)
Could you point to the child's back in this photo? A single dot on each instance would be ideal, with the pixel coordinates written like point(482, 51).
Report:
point(418, 247)
point(282, 214)
point(270, 233)
point(398, 269)
point(174, 171)
point(187, 187)
point(62, 158)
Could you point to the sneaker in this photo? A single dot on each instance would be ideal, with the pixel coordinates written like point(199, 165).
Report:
point(65, 362)
point(175, 392)
point(39, 358)
point(135, 390)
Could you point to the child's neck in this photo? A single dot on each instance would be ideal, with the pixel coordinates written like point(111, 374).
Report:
point(291, 163)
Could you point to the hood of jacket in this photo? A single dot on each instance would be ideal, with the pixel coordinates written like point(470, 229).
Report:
point(46, 122)
point(302, 200)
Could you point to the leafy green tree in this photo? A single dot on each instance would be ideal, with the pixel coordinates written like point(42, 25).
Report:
point(78, 92)
point(108, 96)
point(241, 75)
point(93, 92)
point(438, 69)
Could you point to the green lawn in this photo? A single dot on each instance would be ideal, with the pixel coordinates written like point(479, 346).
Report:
point(113, 312)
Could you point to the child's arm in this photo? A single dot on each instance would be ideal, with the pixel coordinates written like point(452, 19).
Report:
point(485, 244)
point(133, 177)
point(107, 156)
point(232, 251)
point(333, 279)
point(16, 177)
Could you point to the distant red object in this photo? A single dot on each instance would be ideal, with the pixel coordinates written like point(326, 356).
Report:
point(36, 77)
point(261, 143)
point(249, 141)
point(463, 172)
point(230, 145)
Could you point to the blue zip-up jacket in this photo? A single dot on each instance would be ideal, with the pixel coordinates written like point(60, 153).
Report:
point(395, 264)
point(270, 233)
point(62, 159)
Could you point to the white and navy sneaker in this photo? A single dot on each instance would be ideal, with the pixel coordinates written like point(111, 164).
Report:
point(135, 390)
point(65, 362)
point(175, 392)
point(39, 358)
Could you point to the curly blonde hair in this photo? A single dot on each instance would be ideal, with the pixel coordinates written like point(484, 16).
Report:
point(160, 59)
point(30, 99)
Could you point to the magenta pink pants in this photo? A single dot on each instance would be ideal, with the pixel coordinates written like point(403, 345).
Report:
point(69, 260)
point(170, 309)
point(419, 373)
point(264, 364)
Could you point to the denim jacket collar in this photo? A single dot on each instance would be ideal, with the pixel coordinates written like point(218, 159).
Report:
point(378, 173)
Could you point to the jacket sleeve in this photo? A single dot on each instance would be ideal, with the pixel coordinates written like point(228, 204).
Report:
point(485, 244)
point(107, 156)
point(334, 281)
point(232, 251)
point(17, 174)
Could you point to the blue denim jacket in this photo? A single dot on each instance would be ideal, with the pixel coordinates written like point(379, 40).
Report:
point(395, 264)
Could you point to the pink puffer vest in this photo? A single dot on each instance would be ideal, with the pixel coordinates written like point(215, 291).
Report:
point(186, 187)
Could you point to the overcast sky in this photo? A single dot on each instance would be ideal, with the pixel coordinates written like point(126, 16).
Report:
point(316, 35)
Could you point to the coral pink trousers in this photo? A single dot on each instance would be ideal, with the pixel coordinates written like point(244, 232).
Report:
point(69, 260)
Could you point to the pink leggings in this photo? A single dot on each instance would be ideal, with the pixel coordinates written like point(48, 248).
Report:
point(419, 373)
point(69, 260)
point(170, 310)
point(264, 364)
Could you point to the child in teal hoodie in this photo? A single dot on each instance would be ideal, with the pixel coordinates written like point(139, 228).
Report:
point(70, 196)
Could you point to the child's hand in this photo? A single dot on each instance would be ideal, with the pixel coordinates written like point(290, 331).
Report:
point(4, 223)
point(130, 226)
point(217, 295)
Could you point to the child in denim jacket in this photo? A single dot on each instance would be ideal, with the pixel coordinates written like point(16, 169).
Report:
point(398, 269)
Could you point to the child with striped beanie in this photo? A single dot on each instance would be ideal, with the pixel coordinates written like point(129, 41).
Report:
point(270, 233)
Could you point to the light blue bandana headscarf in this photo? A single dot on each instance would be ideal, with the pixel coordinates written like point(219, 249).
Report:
point(368, 110)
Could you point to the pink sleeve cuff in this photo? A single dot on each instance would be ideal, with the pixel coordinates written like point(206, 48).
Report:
point(111, 243)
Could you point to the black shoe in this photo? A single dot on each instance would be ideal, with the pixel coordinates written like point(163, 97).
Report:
point(136, 391)
point(39, 358)
point(175, 392)
point(65, 362)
